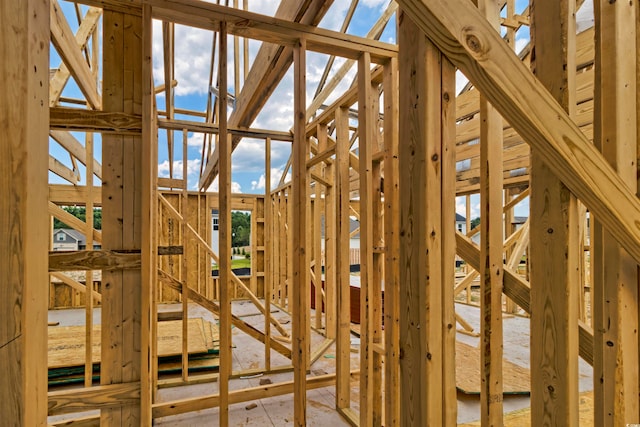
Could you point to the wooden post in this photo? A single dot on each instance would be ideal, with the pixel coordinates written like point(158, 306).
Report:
point(330, 251)
point(186, 259)
point(299, 281)
point(226, 358)
point(392, 246)
point(615, 285)
point(427, 325)
point(148, 378)
point(24, 69)
point(343, 342)
point(122, 211)
point(269, 255)
point(366, 143)
point(554, 244)
point(491, 262)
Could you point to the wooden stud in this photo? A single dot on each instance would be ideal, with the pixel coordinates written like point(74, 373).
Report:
point(458, 29)
point(122, 156)
point(269, 255)
point(24, 48)
point(392, 247)
point(343, 341)
point(491, 265)
point(448, 244)
point(366, 144)
point(555, 233)
point(424, 163)
point(299, 280)
point(184, 270)
point(224, 232)
point(615, 286)
point(330, 253)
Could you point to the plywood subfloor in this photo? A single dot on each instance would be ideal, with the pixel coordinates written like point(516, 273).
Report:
point(516, 378)
point(522, 417)
point(66, 345)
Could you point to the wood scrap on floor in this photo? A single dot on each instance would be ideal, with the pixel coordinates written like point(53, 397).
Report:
point(66, 349)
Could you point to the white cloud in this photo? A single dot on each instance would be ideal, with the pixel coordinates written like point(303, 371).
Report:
point(276, 174)
point(461, 208)
point(235, 187)
point(248, 156)
point(374, 3)
point(521, 43)
point(193, 167)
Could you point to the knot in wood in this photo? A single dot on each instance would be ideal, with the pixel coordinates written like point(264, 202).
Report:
point(473, 42)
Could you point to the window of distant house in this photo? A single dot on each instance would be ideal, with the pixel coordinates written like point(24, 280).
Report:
point(460, 228)
point(60, 237)
point(215, 224)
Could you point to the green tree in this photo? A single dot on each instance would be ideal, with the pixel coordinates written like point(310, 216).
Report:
point(240, 228)
point(80, 212)
point(475, 222)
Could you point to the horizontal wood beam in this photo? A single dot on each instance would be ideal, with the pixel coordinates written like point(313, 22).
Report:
point(251, 25)
point(213, 129)
point(130, 7)
point(99, 397)
point(104, 260)
point(82, 120)
point(237, 396)
point(464, 35)
point(62, 194)
point(88, 421)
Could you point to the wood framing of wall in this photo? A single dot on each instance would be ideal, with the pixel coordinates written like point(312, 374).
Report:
point(522, 128)
point(23, 177)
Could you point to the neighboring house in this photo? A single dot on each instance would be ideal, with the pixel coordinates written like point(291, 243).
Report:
point(518, 221)
point(68, 239)
point(461, 223)
point(215, 215)
point(354, 241)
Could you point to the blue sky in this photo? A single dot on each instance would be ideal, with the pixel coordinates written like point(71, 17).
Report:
point(193, 55)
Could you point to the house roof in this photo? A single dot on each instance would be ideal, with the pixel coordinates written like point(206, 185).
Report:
point(519, 219)
point(460, 217)
point(74, 234)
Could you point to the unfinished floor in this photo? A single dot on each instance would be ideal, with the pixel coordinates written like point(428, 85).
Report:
point(277, 411)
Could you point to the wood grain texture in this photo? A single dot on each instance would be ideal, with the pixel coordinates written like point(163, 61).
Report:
point(554, 257)
point(299, 279)
point(465, 37)
point(343, 343)
point(68, 401)
point(425, 171)
point(615, 284)
point(24, 46)
point(224, 148)
point(105, 260)
point(366, 145)
point(122, 197)
point(111, 122)
point(392, 246)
